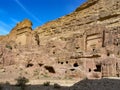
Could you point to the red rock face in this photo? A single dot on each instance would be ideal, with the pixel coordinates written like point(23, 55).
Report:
point(82, 44)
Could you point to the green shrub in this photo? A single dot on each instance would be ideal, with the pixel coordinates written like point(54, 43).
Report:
point(21, 82)
point(56, 85)
point(46, 84)
point(9, 47)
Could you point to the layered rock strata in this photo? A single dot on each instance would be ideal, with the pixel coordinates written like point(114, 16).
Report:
point(82, 44)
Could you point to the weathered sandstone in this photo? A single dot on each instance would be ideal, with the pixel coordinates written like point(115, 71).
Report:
point(85, 43)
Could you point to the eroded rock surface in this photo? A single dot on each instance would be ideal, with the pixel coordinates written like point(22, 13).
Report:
point(85, 43)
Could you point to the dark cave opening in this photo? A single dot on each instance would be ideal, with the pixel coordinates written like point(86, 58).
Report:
point(108, 54)
point(66, 62)
point(50, 69)
point(77, 47)
point(40, 64)
point(98, 68)
point(89, 69)
point(29, 65)
point(62, 62)
point(72, 69)
point(75, 65)
point(58, 62)
point(54, 52)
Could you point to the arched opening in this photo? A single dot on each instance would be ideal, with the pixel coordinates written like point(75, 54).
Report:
point(77, 47)
point(50, 69)
point(62, 62)
point(66, 62)
point(98, 68)
point(29, 65)
point(89, 69)
point(75, 65)
point(108, 54)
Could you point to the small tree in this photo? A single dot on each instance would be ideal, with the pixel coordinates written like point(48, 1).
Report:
point(21, 81)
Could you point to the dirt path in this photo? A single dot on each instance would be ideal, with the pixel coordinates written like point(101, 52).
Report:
point(60, 82)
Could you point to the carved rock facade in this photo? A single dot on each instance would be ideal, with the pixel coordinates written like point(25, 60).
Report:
point(83, 43)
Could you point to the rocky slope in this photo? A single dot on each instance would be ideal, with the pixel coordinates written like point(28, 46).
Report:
point(82, 44)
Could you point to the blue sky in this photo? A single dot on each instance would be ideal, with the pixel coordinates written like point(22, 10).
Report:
point(38, 11)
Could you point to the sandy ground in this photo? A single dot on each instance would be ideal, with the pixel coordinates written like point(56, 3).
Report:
point(60, 82)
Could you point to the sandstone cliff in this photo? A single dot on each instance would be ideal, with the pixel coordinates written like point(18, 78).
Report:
point(83, 43)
